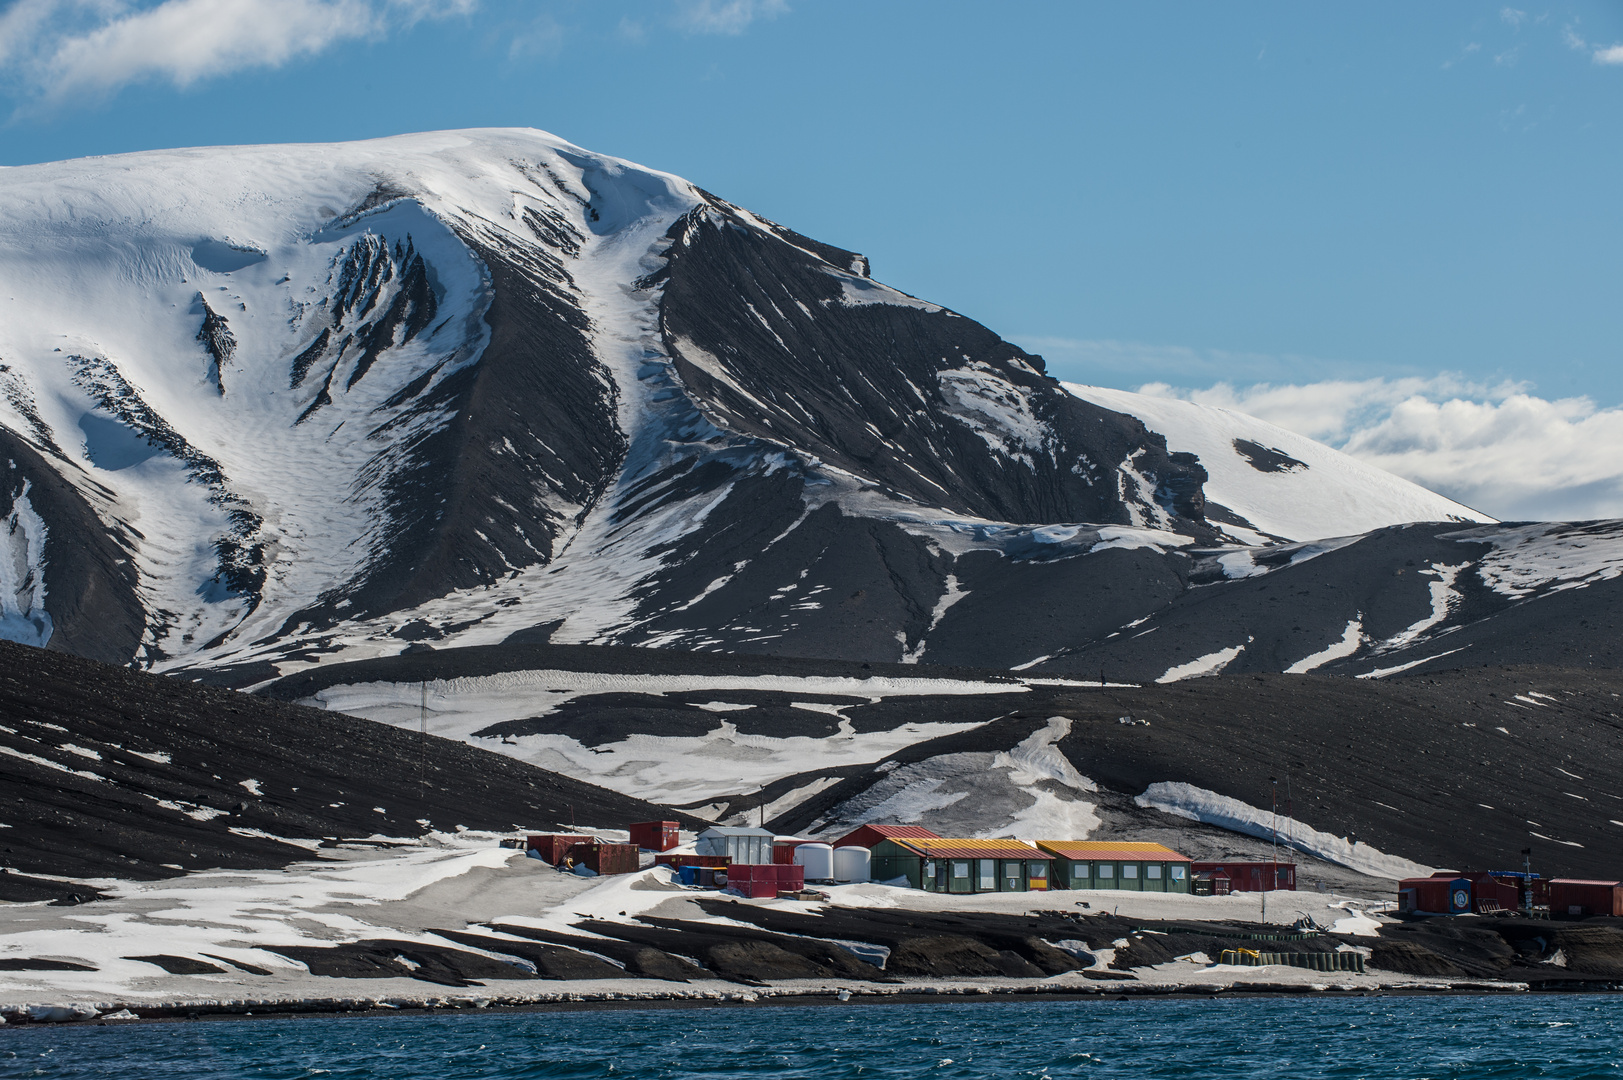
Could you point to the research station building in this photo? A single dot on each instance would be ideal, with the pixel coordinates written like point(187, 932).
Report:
point(961, 866)
point(1106, 864)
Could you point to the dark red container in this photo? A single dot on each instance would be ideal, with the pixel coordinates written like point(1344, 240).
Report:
point(656, 835)
point(1577, 898)
point(692, 860)
point(552, 847)
point(784, 854)
point(765, 880)
point(1251, 876)
point(603, 858)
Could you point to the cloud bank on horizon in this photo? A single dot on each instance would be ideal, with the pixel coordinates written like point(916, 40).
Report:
point(1497, 448)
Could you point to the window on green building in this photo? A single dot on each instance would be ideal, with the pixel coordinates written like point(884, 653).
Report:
point(1177, 873)
point(1153, 872)
point(1129, 871)
point(1107, 871)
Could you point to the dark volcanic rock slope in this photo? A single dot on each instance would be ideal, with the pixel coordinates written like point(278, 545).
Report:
point(1455, 769)
point(106, 772)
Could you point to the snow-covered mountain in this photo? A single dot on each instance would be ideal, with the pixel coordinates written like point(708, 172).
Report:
point(267, 407)
point(1280, 484)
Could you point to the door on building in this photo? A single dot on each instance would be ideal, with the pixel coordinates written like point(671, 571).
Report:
point(986, 875)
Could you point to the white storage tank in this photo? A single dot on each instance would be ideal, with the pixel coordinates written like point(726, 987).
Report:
point(852, 863)
point(818, 860)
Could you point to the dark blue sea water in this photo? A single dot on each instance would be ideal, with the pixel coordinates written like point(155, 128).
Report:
point(1454, 1037)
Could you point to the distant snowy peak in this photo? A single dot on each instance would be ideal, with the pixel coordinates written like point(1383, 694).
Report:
point(1274, 482)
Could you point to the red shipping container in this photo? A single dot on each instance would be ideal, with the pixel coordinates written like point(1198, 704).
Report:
point(551, 847)
point(692, 860)
point(1574, 897)
point(656, 835)
point(764, 880)
point(601, 858)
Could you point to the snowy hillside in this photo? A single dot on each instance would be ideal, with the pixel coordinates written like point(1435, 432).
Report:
point(1284, 485)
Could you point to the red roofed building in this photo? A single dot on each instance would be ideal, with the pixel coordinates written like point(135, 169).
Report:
point(869, 835)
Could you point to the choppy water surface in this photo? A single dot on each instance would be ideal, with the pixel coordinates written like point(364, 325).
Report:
point(1567, 1037)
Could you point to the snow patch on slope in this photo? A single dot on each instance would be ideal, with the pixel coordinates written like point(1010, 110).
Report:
point(1548, 555)
point(1210, 664)
point(1029, 790)
point(1351, 639)
point(1210, 808)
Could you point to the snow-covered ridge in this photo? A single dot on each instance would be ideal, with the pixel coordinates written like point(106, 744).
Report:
point(1287, 486)
point(249, 346)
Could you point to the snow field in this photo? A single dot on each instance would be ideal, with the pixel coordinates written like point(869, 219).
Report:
point(666, 769)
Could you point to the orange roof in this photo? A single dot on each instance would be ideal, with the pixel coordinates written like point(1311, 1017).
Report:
point(939, 848)
point(1111, 850)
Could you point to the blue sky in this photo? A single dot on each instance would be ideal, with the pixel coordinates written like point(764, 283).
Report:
point(1319, 213)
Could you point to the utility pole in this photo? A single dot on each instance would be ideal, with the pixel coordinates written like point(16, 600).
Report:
point(1527, 881)
point(422, 749)
point(1273, 868)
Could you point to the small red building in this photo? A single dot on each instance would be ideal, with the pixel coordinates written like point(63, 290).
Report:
point(552, 847)
point(1577, 897)
point(656, 835)
point(1490, 893)
point(1442, 894)
point(869, 835)
point(1251, 876)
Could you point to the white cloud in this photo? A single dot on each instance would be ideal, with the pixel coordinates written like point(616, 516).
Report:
point(1512, 16)
point(1600, 54)
point(725, 16)
point(1496, 448)
point(63, 49)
